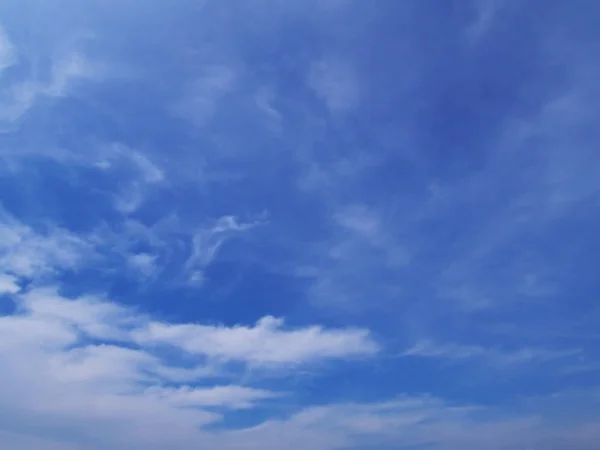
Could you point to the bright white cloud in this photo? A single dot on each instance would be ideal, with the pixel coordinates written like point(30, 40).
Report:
point(95, 317)
point(115, 396)
point(265, 343)
point(54, 374)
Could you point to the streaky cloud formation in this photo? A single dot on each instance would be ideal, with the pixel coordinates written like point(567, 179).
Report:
point(263, 344)
point(319, 225)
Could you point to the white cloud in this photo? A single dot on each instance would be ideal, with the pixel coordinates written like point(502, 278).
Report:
point(150, 172)
point(143, 263)
point(144, 175)
point(109, 156)
point(8, 284)
point(235, 397)
point(48, 249)
point(168, 240)
point(53, 376)
point(24, 252)
point(265, 343)
point(139, 174)
point(66, 71)
point(207, 242)
point(93, 316)
point(111, 365)
point(129, 390)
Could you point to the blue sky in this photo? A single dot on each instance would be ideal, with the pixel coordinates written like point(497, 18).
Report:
point(267, 224)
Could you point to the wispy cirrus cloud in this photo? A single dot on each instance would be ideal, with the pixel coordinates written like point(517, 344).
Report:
point(415, 422)
point(26, 253)
point(360, 249)
point(495, 356)
point(207, 241)
point(48, 250)
point(64, 74)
